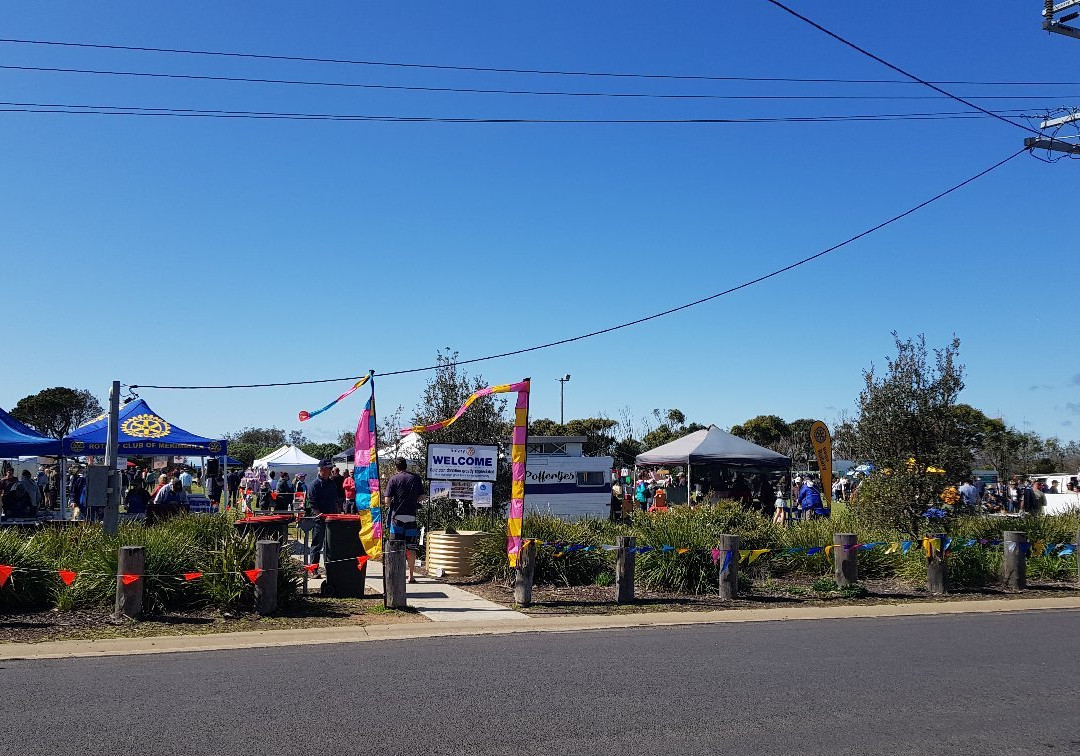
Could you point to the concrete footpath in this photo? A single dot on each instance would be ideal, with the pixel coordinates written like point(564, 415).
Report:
point(574, 623)
point(440, 602)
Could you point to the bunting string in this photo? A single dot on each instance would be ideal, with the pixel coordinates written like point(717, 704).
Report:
point(69, 577)
point(929, 546)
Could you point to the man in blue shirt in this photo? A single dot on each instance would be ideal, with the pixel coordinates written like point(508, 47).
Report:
point(969, 494)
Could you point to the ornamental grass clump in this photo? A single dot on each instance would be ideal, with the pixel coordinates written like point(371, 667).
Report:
point(555, 565)
point(207, 544)
point(698, 530)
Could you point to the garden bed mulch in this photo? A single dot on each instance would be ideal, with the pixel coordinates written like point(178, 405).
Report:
point(593, 599)
point(96, 624)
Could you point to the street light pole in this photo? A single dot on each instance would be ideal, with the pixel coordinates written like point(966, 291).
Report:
point(562, 398)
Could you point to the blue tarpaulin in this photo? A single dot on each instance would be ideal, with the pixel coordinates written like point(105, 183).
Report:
point(142, 433)
point(20, 440)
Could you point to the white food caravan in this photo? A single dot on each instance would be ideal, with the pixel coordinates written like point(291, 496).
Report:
point(559, 480)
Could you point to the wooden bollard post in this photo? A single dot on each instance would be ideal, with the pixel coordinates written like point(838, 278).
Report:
point(394, 574)
point(624, 569)
point(935, 566)
point(845, 559)
point(1014, 559)
point(129, 597)
point(523, 575)
point(1078, 555)
point(267, 554)
point(729, 578)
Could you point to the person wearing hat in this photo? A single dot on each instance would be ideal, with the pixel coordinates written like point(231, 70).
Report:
point(322, 499)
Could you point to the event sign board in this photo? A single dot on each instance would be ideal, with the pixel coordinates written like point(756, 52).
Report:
point(482, 495)
point(462, 462)
point(461, 490)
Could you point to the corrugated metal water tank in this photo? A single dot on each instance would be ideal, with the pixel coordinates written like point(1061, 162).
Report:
point(450, 552)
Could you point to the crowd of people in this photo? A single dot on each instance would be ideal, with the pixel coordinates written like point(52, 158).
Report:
point(802, 498)
point(787, 499)
point(1017, 496)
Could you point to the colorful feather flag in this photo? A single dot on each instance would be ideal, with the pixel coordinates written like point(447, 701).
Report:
point(366, 478)
point(305, 415)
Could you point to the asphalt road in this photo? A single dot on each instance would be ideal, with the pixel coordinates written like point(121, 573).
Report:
point(964, 684)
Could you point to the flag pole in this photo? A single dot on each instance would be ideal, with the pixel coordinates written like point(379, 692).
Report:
point(375, 454)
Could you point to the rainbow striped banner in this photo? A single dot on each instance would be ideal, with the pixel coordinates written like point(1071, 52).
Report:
point(366, 477)
point(518, 455)
point(305, 415)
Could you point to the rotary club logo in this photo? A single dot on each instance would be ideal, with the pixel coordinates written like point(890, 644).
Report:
point(819, 435)
point(145, 426)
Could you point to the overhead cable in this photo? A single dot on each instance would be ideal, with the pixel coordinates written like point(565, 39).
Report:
point(489, 69)
point(899, 70)
point(529, 92)
point(118, 110)
point(638, 321)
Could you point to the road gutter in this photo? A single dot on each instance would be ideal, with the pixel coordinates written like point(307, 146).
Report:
point(168, 644)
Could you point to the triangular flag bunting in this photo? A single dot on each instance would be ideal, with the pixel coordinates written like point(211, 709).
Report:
point(360, 562)
point(253, 574)
point(715, 556)
point(743, 554)
point(128, 579)
point(681, 551)
point(189, 576)
point(67, 576)
point(893, 548)
point(755, 554)
point(828, 549)
point(5, 573)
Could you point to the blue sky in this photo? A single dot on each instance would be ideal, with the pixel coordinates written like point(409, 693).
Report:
point(207, 250)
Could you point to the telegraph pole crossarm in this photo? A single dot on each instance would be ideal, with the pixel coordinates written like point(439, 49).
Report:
point(1059, 25)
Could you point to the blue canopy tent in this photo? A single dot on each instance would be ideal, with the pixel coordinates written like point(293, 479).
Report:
point(19, 440)
point(142, 433)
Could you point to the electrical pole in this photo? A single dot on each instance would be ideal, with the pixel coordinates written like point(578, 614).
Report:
point(1058, 25)
point(1055, 19)
point(112, 490)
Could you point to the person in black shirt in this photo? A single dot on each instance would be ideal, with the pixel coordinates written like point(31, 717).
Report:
point(322, 498)
point(283, 502)
point(403, 498)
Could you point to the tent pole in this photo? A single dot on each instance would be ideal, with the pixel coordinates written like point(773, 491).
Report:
point(224, 470)
point(688, 481)
point(63, 486)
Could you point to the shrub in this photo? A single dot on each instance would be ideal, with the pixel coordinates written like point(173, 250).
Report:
point(572, 568)
point(198, 543)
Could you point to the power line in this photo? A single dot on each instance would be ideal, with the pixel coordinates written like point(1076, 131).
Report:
point(630, 323)
point(899, 70)
point(476, 90)
point(539, 71)
point(75, 109)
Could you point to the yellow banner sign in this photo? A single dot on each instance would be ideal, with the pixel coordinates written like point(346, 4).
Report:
point(822, 442)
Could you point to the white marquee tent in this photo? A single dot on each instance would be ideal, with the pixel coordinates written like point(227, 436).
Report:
point(291, 460)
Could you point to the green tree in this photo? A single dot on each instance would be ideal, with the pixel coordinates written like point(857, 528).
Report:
point(249, 444)
point(769, 431)
point(907, 423)
point(57, 411)
point(598, 432)
point(320, 451)
point(485, 422)
point(671, 425)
